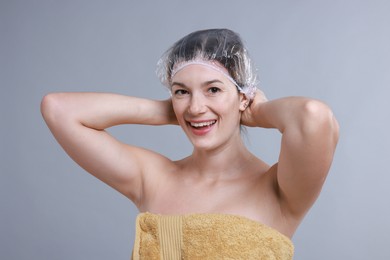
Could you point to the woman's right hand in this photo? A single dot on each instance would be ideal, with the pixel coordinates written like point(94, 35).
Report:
point(169, 112)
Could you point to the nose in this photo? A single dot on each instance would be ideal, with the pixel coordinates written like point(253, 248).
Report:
point(197, 105)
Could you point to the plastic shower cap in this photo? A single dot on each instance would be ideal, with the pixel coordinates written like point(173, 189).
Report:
point(207, 47)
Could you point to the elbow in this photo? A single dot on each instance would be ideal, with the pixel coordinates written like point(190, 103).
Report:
point(51, 107)
point(46, 105)
point(318, 118)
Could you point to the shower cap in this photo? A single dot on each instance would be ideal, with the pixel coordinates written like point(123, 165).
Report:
point(212, 48)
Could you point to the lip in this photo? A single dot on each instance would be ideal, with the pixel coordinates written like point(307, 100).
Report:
point(203, 130)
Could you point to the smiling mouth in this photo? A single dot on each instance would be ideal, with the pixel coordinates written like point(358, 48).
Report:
point(202, 124)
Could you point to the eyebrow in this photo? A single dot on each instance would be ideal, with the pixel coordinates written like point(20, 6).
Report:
point(211, 82)
point(179, 84)
point(203, 84)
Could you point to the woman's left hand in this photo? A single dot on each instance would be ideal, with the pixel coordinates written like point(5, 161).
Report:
point(248, 115)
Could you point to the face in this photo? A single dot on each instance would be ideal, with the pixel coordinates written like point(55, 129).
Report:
point(207, 106)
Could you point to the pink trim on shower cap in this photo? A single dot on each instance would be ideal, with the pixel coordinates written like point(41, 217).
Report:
point(209, 64)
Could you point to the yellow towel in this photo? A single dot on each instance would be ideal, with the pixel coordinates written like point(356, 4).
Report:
point(207, 236)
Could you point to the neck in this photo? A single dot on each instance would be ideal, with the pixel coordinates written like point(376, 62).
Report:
point(221, 163)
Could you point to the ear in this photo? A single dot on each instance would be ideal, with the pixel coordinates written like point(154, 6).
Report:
point(244, 102)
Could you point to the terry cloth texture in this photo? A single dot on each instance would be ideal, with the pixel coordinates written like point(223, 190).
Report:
point(207, 236)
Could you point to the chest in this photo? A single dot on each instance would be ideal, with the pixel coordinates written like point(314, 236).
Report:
point(250, 197)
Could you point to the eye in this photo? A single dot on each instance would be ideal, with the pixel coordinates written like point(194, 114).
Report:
point(180, 92)
point(214, 90)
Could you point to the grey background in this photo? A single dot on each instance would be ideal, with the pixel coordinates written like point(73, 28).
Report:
point(336, 51)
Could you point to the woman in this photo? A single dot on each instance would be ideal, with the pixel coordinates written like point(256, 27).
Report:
point(221, 201)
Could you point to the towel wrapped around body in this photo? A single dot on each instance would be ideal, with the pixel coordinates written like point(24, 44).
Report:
point(207, 236)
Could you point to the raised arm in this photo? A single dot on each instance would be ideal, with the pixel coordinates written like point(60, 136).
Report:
point(309, 137)
point(78, 122)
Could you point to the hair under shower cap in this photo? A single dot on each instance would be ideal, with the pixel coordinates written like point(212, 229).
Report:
point(211, 48)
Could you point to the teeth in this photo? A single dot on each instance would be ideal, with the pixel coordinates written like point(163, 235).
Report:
point(203, 124)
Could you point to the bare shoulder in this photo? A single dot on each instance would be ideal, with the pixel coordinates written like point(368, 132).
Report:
point(152, 161)
point(277, 214)
point(155, 171)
